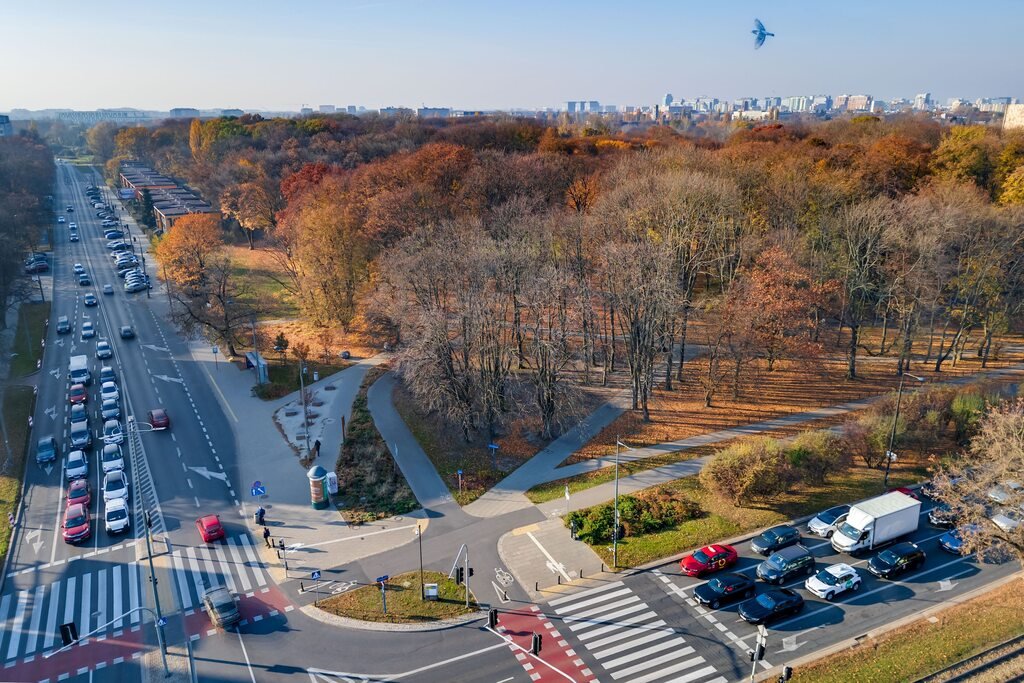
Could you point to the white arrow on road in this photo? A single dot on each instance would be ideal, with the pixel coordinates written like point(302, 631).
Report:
point(154, 347)
point(48, 468)
point(56, 373)
point(52, 412)
point(207, 474)
point(73, 347)
point(36, 545)
point(59, 342)
point(170, 379)
point(789, 644)
point(946, 585)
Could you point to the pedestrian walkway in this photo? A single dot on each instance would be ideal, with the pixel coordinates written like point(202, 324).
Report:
point(234, 564)
point(627, 639)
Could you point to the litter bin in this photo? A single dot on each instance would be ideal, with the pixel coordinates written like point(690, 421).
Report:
point(316, 375)
point(318, 487)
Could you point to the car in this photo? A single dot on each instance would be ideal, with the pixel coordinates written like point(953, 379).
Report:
point(723, 589)
point(60, 219)
point(108, 289)
point(127, 332)
point(79, 414)
point(132, 287)
point(78, 394)
point(115, 516)
point(833, 580)
point(1003, 492)
point(113, 234)
point(210, 529)
point(78, 268)
point(76, 527)
point(771, 605)
point(72, 226)
point(708, 559)
point(79, 492)
point(112, 432)
point(126, 263)
point(77, 465)
point(103, 349)
point(117, 245)
point(88, 331)
point(122, 272)
point(1007, 519)
point(81, 435)
point(825, 523)
point(109, 390)
point(107, 221)
point(941, 516)
point(37, 267)
point(221, 606)
point(69, 208)
point(776, 538)
point(73, 237)
point(953, 541)
point(84, 280)
point(46, 450)
point(897, 560)
point(158, 418)
point(905, 491)
point(63, 325)
point(90, 300)
point(786, 564)
point(112, 458)
point(107, 374)
point(110, 410)
point(115, 485)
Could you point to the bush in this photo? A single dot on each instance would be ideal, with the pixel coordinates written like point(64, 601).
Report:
point(641, 514)
point(868, 437)
point(815, 455)
point(967, 409)
point(754, 469)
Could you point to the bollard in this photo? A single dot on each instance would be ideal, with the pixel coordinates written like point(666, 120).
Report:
point(536, 589)
point(581, 573)
point(505, 594)
point(302, 588)
point(559, 577)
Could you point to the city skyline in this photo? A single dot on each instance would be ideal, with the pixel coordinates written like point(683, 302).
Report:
point(461, 55)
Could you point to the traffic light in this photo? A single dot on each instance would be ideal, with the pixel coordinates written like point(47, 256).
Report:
point(492, 618)
point(757, 654)
point(471, 571)
point(787, 673)
point(536, 644)
point(68, 633)
point(460, 575)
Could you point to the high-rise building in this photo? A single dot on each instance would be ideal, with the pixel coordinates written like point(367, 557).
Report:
point(184, 113)
point(1014, 117)
point(434, 112)
point(858, 103)
point(306, 111)
point(570, 107)
point(669, 99)
point(6, 130)
point(923, 101)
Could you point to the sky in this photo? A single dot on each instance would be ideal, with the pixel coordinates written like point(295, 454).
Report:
point(497, 54)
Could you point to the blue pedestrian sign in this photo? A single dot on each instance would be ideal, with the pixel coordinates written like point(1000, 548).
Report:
point(258, 489)
point(382, 579)
point(316, 574)
point(161, 622)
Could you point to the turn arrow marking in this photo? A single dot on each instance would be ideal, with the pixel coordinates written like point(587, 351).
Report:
point(52, 412)
point(207, 474)
point(170, 379)
point(36, 545)
point(945, 585)
point(153, 347)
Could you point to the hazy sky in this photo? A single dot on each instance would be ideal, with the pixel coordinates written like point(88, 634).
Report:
point(282, 54)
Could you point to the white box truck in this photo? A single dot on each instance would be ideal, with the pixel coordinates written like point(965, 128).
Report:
point(877, 521)
point(78, 370)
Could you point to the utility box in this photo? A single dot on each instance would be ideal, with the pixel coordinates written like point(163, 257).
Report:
point(332, 483)
point(430, 591)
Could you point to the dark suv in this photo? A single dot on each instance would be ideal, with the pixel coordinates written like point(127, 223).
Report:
point(897, 560)
point(776, 538)
point(786, 564)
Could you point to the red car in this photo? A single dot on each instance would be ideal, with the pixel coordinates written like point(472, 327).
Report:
point(76, 526)
point(79, 493)
point(905, 491)
point(78, 394)
point(158, 418)
point(210, 528)
point(708, 559)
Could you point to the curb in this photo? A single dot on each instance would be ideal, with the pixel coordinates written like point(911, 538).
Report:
point(346, 622)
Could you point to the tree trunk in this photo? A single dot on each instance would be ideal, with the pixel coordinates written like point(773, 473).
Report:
point(736, 378)
point(611, 340)
point(931, 336)
point(885, 331)
point(668, 355)
point(682, 341)
point(986, 347)
point(851, 352)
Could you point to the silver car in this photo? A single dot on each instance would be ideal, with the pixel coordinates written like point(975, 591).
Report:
point(110, 410)
point(77, 466)
point(115, 485)
point(112, 432)
point(112, 458)
point(81, 436)
point(825, 523)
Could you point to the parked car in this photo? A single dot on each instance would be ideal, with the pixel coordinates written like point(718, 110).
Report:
point(77, 466)
point(115, 485)
point(76, 526)
point(773, 539)
point(897, 560)
point(825, 523)
point(210, 528)
point(115, 516)
point(941, 516)
point(112, 458)
point(221, 606)
point(46, 449)
point(953, 541)
point(1004, 491)
point(833, 580)
point(132, 287)
point(708, 559)
point(1007, 519)
point(786, 564)
point(724, 589)
point(771, 605)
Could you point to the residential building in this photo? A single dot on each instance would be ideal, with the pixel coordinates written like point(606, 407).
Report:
point(327, 109)
point(433, 113)
point(184, 113)
point(923, 102)
point(1013, 119)
point(6, 130)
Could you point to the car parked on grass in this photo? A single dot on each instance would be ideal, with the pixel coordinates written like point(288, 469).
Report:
point(776, 538)
point(826, 522)
point(786, 564)
point(897, 560)
point(725, 588)
point(77, 466)
point(46, 450)
point(76, 526)
point(112, 458)
point(210, 528)
point(771, 605)
point(115, 485)
point(708, 559)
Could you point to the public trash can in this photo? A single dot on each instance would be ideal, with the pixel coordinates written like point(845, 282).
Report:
point(318, 487)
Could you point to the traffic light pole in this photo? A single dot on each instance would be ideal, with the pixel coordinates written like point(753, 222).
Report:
point(758, 654)
point(156, 595)
point(466, 565)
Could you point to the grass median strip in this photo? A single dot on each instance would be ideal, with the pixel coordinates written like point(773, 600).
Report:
point(28, 338)
point(18, 402)
point(923, 647)
point(404, 603)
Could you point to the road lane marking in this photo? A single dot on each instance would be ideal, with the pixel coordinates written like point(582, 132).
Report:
point(223, 399)
point(554, 564)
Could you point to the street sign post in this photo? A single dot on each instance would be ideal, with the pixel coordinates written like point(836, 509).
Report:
point(316, 577)
point(493, 448)
point(383, 580)
point(215, 351)
point(460, 480)
point(258, 489)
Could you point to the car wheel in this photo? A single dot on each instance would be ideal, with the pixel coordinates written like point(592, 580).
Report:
point(829, 596)
point(715, 604)
point(810, 571)
point(828, 534)
point(856, 587)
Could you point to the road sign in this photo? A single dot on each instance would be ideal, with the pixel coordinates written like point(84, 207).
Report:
point(493, 446)
point(161, 622)
point(316, 575)
point(382, 579)
point(215, 350)
point(257, 484)
point(258, 490)
point(460, 473)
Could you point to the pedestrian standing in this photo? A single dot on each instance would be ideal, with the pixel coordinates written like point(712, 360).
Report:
point(266, 536)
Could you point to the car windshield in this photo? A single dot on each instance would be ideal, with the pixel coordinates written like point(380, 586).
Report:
point(771, 536)
point(115, 484)
point(117, 514)
point(74, 520)
point(775, 562)
point(110, 456)
point(766, 600)
point(850, 531)
point(717, 585)
point(830, 515)
point(828, 578)
point(701, 557)
point(888, 557)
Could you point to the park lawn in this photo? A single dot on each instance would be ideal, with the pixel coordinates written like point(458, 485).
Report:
point(724, 520)
point(18, 404)
point(284, 375)
point(28, 338)
point(260, 276)
point(404, 603)
point(921, 648)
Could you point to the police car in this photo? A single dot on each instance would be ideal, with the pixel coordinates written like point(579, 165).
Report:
point(831, 581)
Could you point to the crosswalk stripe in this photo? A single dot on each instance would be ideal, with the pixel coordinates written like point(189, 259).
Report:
point(675, 668)
point(17, 625)
point(572, 607)
point(197, 576)
point(4, 604)
point(629, 644)
point(584, 594)
point(586, 614)
point(84, 625)
point(37, 616)
point(587, 623)
point(219, 553)
point(182, 579)
point(236, 555)
point(115, 574)
point(101, 599)
point(133, 592)
point(622, 627)
point(209, 568)
point(647, 652)
point(256, 565)
point(51, 616)
point(69, 600)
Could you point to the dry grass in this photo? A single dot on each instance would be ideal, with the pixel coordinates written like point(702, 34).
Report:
point(404, 604)
point(918, 649)
point(260, 273)
point(18, 403)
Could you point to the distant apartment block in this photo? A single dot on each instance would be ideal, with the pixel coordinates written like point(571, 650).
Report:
point(433, 112)
point(115, 115)
point(1013, 119)
point(232, 112)
point(6, 130)
point(306, 111)
point(396, 111)
point(327, 109)
point(184, 113)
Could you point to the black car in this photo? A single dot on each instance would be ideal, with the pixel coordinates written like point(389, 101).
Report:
point(896, 560)
point(127, 332)
point(786, 564)
point(776, 538)
point(941, 516)
point(725, 588)
point(771, 605)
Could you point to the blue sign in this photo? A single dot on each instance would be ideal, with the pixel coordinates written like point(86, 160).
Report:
point(493, 446)
point(161, 622)
point(460, 473)
point(382, 579)
point(316, 574)
point(258, 489)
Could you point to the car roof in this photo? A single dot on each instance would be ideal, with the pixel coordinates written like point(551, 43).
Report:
point(157, 412)
point(79, 484)
point(905, 547)
point(75, 509)
point(116, 503)
point(47, 441)
point(715, 548)
point(116, 474)
point(207, 520)
point(111, 448)
point(792, 551)
point(840, 569)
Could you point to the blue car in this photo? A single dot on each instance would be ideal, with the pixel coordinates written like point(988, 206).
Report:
point(953, 541)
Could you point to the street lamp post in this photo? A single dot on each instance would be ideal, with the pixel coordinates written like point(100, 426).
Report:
point(615, 528)
point(302, 395)
point(889, 454)
point(419, 537)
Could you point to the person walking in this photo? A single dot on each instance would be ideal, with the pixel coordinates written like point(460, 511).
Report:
point(266, 536)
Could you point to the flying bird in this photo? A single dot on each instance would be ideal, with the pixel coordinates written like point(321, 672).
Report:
point(760, 33)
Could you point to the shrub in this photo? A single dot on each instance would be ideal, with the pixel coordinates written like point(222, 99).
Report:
point(645, 513)
point(967, 408)
point(753, 469)
point(868, 436)
point(815, 455)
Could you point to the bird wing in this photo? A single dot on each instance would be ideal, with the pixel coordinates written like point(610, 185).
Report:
point(759, 41)
point(759, 26)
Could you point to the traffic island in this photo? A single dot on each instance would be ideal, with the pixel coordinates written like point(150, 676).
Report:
point(403, 602)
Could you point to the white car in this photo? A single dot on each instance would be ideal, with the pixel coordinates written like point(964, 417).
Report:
point(109, 391)
point(831, 581)
point(60, 219)
point(1008, 519)
point(112, 458)
point(88, 331)
point(115, 485)
point(1002, 493)
point(103, 349)
point(115, 516)
point(79, 269)
point(112, 432)
point(826, 522)
point(77, 466)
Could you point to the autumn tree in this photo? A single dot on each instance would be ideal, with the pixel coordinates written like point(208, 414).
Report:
point(966, 153)
point(254, 204)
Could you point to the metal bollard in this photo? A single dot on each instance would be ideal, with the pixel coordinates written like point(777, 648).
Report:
point(559, 577)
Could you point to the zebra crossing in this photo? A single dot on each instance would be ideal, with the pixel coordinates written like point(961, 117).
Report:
point(628, 639)
point(234, 564)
